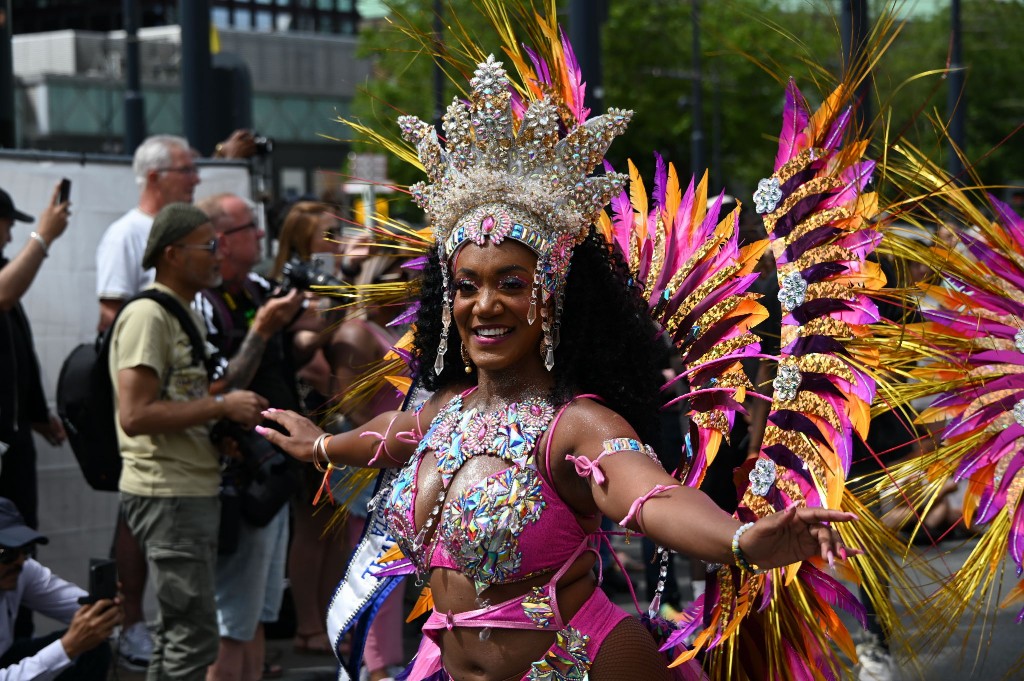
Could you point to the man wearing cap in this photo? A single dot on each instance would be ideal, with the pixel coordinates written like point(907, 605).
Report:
point(78, 652)
point(165, 171)
point(23, 405)
point(171, 476)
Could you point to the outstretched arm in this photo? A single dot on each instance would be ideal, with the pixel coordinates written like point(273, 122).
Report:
point(386, 441)
point(634, 490)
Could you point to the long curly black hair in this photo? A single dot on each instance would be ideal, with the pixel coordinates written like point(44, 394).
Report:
point(608, 347)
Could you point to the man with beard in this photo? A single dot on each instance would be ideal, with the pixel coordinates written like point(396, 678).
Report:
point(171, 476)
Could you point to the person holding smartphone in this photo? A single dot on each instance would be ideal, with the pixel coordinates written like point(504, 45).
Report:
point(79, 652)
point(23, 406)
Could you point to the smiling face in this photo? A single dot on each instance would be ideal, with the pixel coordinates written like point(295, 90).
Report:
point(493, 287)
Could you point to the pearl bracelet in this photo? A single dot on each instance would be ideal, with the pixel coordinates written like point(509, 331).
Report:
point(737, 553)
point(38, 238)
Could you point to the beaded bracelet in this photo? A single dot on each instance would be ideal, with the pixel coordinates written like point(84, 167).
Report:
point(737, 553)
point(320, 448)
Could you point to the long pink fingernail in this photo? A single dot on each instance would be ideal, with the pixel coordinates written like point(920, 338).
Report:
point(831, 560)
point(842, 552)
point(261, 430)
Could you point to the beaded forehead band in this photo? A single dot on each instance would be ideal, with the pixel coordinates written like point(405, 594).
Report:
point(502, 176)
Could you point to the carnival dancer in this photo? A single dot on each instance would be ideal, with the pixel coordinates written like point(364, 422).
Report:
point(542, 358)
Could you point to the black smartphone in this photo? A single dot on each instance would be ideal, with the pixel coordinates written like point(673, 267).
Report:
point(64, 194)
point(102, 581)
point(65, 191)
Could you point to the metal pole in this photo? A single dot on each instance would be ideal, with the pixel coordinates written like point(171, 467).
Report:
point(956, 100)
point(134, 105)
point(854, 27)
point(438, 71)
point(196, 74)
point(697, 162)
point(8, 126)
point(585, 17)
point(717, 182)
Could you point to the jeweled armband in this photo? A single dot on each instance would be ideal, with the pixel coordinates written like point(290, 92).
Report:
point(586, 468)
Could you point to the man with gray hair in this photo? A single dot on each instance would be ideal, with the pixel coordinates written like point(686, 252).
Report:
point(165, 170)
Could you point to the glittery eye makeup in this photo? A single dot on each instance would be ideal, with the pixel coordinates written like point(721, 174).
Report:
point(513, 282)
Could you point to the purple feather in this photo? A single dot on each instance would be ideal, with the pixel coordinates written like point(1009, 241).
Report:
point(794, 120)
point(1016, 539)
point(833, 593)
point(1008, 218)
point(835, 134)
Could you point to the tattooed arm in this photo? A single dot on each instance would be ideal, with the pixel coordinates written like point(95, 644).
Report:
point(272, 316)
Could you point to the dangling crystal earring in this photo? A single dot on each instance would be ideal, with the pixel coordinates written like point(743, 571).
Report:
point(547, 351)
point(446, 318)
point(466, 360)
point(531, 316)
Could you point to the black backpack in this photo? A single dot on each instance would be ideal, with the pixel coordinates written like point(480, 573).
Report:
point(85, 396)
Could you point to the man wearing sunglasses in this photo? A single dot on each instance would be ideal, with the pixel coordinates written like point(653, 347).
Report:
point(245, 322)
point(78, 652)
point(170, 479)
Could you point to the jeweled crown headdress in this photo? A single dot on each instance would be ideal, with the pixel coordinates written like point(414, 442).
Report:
point(502, 175)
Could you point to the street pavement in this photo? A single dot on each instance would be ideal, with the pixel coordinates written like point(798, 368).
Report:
point(976, 650)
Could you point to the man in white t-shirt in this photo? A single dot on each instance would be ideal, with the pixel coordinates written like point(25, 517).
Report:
point(165, 169)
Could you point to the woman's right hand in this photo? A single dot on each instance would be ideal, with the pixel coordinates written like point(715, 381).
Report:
point(299, 436)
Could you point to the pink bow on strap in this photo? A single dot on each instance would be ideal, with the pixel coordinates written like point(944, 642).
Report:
point(635, 508)
point(586, 468)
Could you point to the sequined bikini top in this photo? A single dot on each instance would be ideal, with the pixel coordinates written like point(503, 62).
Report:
point(509, 526)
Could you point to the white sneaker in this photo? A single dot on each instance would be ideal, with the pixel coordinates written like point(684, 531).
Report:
point(135, 647)
point(875, 662)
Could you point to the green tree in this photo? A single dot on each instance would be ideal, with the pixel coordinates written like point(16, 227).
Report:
point(749, 50)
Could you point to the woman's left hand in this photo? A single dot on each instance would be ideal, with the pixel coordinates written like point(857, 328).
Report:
point(794, 535)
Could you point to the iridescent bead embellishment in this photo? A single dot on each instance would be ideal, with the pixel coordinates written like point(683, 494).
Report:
point(767, 196)
point(1018, 340)
point(787, 382)
point(566, 660)
point(483, 526)
point(1018, 412)
point(792, 291)
point(537, 607)
point(762, 477)
point(479, 433)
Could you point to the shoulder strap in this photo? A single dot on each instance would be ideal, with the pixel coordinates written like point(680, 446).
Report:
point(169, 303)
point(551, 431)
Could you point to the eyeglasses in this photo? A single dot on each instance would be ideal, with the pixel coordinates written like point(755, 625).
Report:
point(10, 555)
point(239, 228)
point(185, 170)
point(210, 246)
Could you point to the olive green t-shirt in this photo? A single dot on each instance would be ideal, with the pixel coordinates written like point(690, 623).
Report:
point(181, 464)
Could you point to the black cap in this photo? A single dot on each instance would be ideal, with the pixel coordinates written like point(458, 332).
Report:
point(13, 530)
point(9, 212)
point(174, 222)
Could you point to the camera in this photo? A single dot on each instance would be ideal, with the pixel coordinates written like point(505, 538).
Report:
point(256, 451)
point(304, 275)
point(264, 145)
point(263, 479)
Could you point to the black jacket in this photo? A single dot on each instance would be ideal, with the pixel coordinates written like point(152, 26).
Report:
point(22, 400)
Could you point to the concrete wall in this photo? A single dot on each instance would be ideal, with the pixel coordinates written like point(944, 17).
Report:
point(63, 310)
